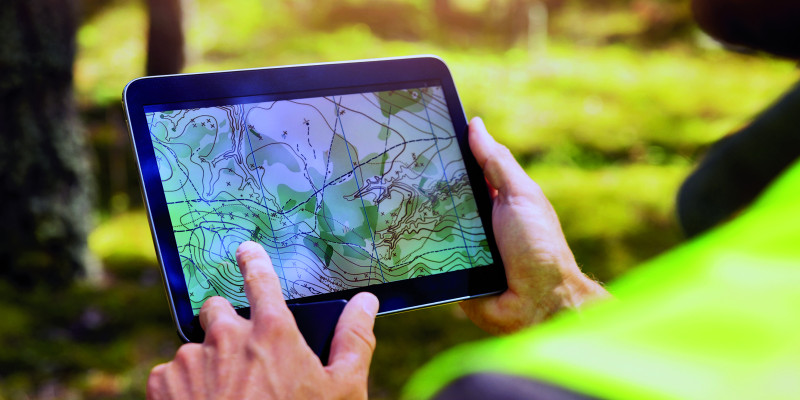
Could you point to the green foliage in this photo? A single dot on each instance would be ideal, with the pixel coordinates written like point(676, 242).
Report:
point(124, 239)
point(111, 52)
point(614, 217)
point(58, 341)
point(608, 131)
point(613, 100)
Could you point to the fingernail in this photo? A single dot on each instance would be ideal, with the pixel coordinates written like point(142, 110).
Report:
point(248, 245)
point(243, 254)
point(370, 304)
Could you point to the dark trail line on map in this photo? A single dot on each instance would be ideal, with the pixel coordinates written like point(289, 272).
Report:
point(335, 180)
point(304, 205)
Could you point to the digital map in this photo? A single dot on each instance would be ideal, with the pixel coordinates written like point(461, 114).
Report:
point(342, 191)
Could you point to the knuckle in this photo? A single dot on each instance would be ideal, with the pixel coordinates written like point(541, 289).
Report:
point(156, 382)
point(493, 164)
point(157, 372)
point(187, 354)
point(499, 157)
point(277, 327)
point(260, 279)
point(502, 151)
point(222, 330)
point(259, 276)
point(364, 335)
point(276, 319)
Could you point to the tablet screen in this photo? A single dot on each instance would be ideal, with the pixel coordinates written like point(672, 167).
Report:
point(343, 191)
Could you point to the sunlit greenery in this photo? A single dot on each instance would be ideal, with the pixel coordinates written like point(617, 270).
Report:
point(573, 108)
point(609, 129)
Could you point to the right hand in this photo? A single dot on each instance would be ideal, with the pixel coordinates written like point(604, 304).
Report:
point(266, 356)
point(542, 274)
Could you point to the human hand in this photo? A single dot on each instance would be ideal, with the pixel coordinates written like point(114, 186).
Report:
point(542, 274)
point(266, 357)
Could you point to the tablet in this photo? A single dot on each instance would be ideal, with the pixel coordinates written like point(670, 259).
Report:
point(354, 176)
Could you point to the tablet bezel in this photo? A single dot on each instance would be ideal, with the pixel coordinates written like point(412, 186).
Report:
point(308, 80)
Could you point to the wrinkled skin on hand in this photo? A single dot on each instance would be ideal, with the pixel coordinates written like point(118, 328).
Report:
point(266, 357)
point(542, 274)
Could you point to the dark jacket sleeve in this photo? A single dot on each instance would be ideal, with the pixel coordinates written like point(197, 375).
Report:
point(737, 168)
point(497, 386)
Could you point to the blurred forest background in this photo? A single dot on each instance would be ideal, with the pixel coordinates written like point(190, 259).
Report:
point(608, 104)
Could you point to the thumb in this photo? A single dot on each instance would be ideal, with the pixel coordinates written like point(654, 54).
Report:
point(501, 169)
point(480, 141)
point(353, 341)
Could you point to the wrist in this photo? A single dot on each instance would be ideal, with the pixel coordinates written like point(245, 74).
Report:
point(578, 289)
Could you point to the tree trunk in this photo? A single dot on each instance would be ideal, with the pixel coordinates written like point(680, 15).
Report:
point(45, 177)
point(165, 41)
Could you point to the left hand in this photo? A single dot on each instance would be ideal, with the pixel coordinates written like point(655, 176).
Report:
point(543, 277)
point(266, 357)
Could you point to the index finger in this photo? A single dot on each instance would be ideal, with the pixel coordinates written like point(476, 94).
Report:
point(261, 283)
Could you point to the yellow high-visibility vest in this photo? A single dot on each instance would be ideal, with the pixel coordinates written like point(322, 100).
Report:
point(716, 318)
